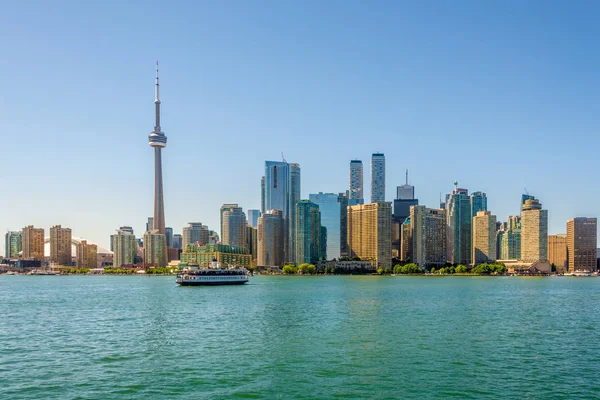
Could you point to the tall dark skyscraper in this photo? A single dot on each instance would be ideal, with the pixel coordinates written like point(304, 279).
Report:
point(356, 181)
point(377, 177)
point(158, 140)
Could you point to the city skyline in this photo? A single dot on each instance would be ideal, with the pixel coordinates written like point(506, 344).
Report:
point(538, 105)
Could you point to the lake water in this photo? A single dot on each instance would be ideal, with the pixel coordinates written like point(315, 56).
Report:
point(106, 337)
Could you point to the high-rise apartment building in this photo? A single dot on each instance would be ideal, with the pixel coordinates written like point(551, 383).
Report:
point(252, 242)
point(12, 244)
point(406, 240)
point(295, 196)
point(270, 239)
point(169, 236)
point(370, 233)
point(60, 246)
point(377, 177)
point(125, 245)
point(196, 234)
point(87, 255)
point(581, 244)
point(534, 231)
point(253, 216)
point(262, 195)
point(428, 231)
point(508, 239)
point(332, 207)
point(177, 241)
point(155, 249)
point(150, 224)
point(33, 243)
point(356, 181)
point(225, 207)
point(484, 238)
point(308, 232)
point(233, 226)
point(557, 251)
point(459, 219)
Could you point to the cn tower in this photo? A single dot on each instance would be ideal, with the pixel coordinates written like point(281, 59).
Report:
point(158, 140)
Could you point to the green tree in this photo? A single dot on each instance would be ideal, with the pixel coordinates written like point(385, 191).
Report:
point(461, 269)
point(289, 269)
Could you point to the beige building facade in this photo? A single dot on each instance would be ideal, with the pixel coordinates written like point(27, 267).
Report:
point(155, 249)
point(87, 255)
point(581, 244)
point(124, 247)
point(484, 238)
point(370, 232)
point(60, 246)
point(534, 232)
point(270, 239)
point(33, 243)
point(557, 251)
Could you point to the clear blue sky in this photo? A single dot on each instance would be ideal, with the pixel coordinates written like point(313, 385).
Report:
point(499, 95)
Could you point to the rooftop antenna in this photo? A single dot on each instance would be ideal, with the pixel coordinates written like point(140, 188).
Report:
point(526, 192)
point(282, 157)
point(456, 186)
point(406, 176)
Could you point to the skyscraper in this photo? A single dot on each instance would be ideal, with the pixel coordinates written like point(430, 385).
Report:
point(262, 195)
point(509, 240)
point(158, 140)
point(225, 207)
point(233, 222)
point(377, 177)
point(581, 244)
point(270, 239)
point(406, 191)
point(428, 233)
point(253, 218)
point(155, 249)
point(308, 232)
point(125, 248)
point(370, 233)
point(150, 224)
point(169, 236)
point(87, 255)
point(195, 233)
point(332, 207)
point(33, 243)
point(12, 244)
point(478, 203)
point(177, 241)
point(534, 231)
point(356, 182)
point(60, 246)
point(282, 192)
point(484, 237)
point(252, 242)
point(458, 217)
point(557, 251)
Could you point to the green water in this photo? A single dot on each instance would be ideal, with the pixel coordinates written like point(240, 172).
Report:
point(102, 337)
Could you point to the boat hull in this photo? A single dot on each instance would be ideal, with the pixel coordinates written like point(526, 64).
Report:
point(188, 283)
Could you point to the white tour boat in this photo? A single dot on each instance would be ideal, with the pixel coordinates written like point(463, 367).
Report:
point(213, 275)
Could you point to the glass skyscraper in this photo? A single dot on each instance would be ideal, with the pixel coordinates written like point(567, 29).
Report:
point(377, 177)
point(356, 181)
point(333, 217)
point(478, 203)
point(253, 216)
point(308, 232)
point(459, 221)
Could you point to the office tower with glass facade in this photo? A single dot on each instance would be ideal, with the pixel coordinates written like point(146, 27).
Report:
point(370, 233)
point(253, 216)
point(87, 255)
point(406, 241)
point(60, 246)
point(459, 219)
point(233, 225)
point(332, 207)
point(308, 232)
point(12, 244)
point(581, 244)
point(401, 213)
point(150, 224)
point(33, 243)
point(155, 249)
point(557, 251)
point(484, 237)
point(177, 241)
point(294, 198)
point(270, 239)
point(125, 245)
point(406, 191)
point(169, 236)
point(262, 195)
point(343, 200)
point(356, 182)
point(478, 202)
point(534, 231)
point(377, 177)
point(195, 233)
point(428, 232)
